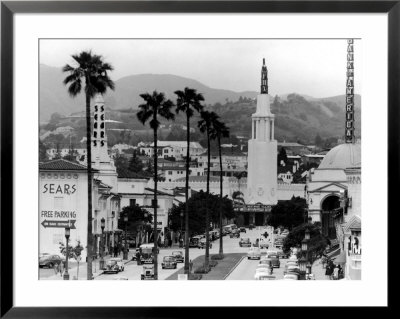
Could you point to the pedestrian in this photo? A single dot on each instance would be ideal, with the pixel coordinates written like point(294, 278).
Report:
point(61, 268)
point(355, 245)
point(138, 257)
point(349, 245)
point(328, 270)
point(56, 268)
point(190, 266)
point(336, 273)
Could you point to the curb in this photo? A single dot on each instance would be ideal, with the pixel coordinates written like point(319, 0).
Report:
point(234, 267)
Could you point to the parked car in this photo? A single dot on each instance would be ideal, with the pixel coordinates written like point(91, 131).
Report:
point(254, 253)
point(178, 255)
point(169, 262)
point(242, 229)
point(245, 242)
point(234, 233)
point(147, 272)
point(49, 261)
point(114, 265)
point(202, 243)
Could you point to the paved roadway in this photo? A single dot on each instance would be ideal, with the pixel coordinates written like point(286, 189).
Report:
point(231, 245)
point(247, 268)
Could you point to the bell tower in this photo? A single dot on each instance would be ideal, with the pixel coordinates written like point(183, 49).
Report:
point(262, 156)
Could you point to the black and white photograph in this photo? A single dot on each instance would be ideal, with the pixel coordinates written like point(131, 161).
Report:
point(200, 159)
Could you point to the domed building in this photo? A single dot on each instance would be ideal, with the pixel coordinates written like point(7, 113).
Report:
point(334, 199)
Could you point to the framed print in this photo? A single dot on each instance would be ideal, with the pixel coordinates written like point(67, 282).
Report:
point(149, 144)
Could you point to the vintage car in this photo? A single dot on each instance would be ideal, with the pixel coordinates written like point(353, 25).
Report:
point(263, 276)
point(275, 262)
point(265, 261)
point(291, 276)
point(202, 243)
point(178, 255)
point(291, 269)
point(49, 260)
point(281, 254)
point(242, 229)
point(245, 242)
point(146, 253)
point(261, 272)
point(254, 253)
point(234, 233)
point(263, 243)
point(194, 241)
point(147, 272)
point(114, 265)
point(169, 262)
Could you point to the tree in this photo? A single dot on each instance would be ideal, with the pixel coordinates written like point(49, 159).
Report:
point(94, 71)
point(206, 125)
point(197, 211)
point(188, 102)
point(156, 106)
point(73, 252)
point(138, 217)
point(135, 164)
point(282, 156)
point(288, 213)
point(42, 152)
point(237, 197)
point(316, 245)
point(221, 131)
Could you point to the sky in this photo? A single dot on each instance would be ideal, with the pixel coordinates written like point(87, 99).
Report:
point(314, 67)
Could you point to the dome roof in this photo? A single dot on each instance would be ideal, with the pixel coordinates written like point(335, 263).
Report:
point(342, 156)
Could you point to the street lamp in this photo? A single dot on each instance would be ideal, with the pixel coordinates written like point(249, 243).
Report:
point(307, 234)
point(67, 233)
point(103, 224)
point(112, 227)
point(126, 248)
point(303, 266)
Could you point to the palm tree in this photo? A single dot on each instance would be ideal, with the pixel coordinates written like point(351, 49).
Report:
point(221, 130)
point(94, 71)
point(187, 102)
point(155, 105)
point(206, 125)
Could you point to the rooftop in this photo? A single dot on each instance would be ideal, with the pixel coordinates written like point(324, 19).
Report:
point(62, 165)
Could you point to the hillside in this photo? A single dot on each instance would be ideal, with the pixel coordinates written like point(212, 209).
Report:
point(55, 99)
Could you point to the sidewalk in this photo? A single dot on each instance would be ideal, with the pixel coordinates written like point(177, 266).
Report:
point(318, 270)
point(73, 268)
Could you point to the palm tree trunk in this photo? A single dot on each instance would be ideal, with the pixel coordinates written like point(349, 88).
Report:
point(207, 256)
point(187, 198)
point(155, 231)
point(89, 173)
point(221, 249)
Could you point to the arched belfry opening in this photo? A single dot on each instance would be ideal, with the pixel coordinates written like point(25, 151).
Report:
point(328, 207)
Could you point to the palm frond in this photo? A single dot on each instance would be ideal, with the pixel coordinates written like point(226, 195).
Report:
point(75, 88)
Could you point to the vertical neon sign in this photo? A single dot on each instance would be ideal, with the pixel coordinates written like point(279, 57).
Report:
point(349, 132)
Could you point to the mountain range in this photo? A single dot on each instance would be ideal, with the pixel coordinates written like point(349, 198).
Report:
point(297, 116)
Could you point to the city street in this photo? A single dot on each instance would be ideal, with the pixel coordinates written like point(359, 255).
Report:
point(231, 245)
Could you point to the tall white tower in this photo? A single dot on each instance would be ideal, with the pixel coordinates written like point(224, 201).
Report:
point(262, 155)
point(100, 158)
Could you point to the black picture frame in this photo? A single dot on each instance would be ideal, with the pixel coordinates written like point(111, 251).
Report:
point(9, 8)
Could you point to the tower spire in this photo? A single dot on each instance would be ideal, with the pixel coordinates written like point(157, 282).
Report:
point(264, 78)
point(349, 129)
